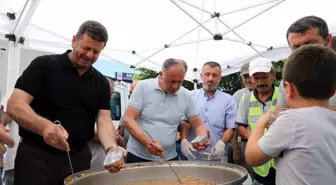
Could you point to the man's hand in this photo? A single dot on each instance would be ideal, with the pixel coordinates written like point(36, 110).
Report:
point(5, 138)
point(265, 119)
point(120, 130)
point(117, 168)
point(186, 148)
point(120, 141)
point(56, 136)
point(219, 149)
point(154, 148)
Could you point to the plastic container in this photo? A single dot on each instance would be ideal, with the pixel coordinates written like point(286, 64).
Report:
point(115, 157)
point(201, 139)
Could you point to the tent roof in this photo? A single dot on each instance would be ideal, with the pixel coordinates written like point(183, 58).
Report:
point(146, 26)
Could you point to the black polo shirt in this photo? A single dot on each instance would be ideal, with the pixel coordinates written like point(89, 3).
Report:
point(60, 93)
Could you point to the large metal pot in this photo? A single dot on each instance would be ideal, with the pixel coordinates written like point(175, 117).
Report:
point(221, 173)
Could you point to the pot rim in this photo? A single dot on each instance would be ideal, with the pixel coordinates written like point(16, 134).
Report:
point(238, 169)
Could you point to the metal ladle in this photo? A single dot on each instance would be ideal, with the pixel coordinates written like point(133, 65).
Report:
point(179, 180)
point(58, 122)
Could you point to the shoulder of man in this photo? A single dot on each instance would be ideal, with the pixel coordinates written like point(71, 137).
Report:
point(45, 61)
point(146, 84)
point(50, 57)
point(246, 97)
point(224, 94)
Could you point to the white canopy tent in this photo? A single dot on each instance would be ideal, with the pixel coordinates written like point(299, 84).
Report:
point(143, 33)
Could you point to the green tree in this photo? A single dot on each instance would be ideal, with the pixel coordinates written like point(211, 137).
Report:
point(230, 83)
point(144, 73)
point(278, 67)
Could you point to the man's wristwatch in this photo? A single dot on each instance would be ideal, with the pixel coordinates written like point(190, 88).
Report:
point(111, 148)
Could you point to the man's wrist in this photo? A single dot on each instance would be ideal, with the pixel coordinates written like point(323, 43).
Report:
point(182, 138)
point(144, 140)
point(110, 148)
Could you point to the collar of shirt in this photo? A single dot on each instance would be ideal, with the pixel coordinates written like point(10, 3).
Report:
point(209, 98)
point(269, 98)
point(68, 64)
point(157, 87)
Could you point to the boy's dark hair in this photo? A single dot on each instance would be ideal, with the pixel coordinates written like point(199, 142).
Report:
point(312, 69)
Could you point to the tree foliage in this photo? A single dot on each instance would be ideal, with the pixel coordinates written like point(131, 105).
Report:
point(144, 74)
point(278, 66)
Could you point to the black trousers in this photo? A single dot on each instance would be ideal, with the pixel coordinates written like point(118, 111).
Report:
point(34, 166)
point(268, 180)
point(131, 158)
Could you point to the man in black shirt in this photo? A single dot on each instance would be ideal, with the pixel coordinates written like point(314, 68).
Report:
point(63, 89)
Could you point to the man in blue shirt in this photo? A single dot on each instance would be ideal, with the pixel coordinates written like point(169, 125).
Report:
point(217, 111)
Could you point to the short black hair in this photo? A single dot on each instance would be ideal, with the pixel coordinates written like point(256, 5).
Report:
point(312, 69)
point(306, 23)
point(213, 64)
point(95, 30)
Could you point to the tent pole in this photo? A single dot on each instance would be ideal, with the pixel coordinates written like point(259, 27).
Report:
point(195, 86)
point(11, 66)
point(247, 20)
point(245, 60)
point(195, 69)
point(177, 38)
point(23, 21)
point(248, 7)
point(168, 45)
point(16, 23)
point(234, 32)
point(224, 38)
point(197, 7)
point(53, 33)
point(13, 62)
point(201, 24)
point(192, 17)
point(216, 20)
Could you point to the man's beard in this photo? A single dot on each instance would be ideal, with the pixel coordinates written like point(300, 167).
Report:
point(211, 87)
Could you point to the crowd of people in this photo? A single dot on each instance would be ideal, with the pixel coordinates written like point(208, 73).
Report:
point(281, 135)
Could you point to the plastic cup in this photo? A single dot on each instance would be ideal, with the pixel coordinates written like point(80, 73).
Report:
point(115, 157)
point(200, 140)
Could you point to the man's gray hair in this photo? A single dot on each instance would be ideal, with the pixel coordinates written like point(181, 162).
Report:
point(172, 62)
point(95, 30)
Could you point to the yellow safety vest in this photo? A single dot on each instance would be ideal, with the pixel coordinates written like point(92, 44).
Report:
point(254, 113)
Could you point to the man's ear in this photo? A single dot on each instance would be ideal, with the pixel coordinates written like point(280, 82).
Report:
point(328, 39)
point(290, 90)
point(74, 40)
point(160, 75)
